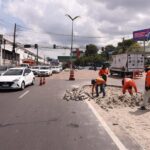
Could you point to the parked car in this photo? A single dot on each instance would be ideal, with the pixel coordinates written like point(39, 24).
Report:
point(35, 69)
point(16, 78)
point(56, 69)
point(44, 71)
point(24, 65)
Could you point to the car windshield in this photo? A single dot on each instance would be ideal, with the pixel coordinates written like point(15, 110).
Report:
point(35, 67)
point(13, 72)
point(45, 68)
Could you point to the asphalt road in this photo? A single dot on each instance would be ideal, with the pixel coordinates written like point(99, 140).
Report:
point(39, 119)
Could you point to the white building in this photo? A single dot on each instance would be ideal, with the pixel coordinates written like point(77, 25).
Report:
point(21, 54)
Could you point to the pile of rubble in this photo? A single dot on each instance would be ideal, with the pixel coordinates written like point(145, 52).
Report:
point(77, 94)
point(114, 97)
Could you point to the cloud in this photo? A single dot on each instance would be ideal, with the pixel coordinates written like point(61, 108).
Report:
point(108, 19)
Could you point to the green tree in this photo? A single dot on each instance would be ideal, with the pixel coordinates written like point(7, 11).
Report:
point(91, 50)
point(125, 46)
point(136, 47)
point(110, 48)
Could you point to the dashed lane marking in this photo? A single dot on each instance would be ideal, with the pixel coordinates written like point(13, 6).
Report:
point(21, 96)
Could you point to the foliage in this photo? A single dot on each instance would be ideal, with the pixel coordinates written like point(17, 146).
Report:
point(91, 49)
point(127, 46)
point(90, 60)
point(109, 48)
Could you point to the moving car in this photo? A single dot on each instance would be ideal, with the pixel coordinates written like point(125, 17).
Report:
point(16, 78)
point(44, 71)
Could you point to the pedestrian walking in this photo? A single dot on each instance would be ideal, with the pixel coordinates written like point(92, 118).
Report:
point(128, 84)
point(98, 82)
point(147, 90)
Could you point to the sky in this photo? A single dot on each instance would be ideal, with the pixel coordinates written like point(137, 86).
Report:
point(101, 22)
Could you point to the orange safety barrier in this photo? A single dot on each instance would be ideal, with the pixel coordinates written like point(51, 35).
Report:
point(71, 75)
point(40, 81)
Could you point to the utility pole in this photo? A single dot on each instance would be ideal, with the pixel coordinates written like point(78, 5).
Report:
point(4, 52)
point(71, 62)
point(123, 47)
point(1, 39)
point(37, 54)
point(14, 45)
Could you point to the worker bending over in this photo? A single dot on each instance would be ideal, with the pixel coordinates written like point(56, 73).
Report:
point(147, 90)
point(128, 84)
point(99, 82)
point(103, 72)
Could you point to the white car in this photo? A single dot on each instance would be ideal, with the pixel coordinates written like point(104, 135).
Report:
point(56, 69)
point(44, 71)
point(35, 69)
point(17, 78)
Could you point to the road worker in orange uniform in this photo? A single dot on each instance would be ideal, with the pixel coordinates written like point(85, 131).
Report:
point(103, 72)
point(147, 90)
point(128, 84)
point(96, 83)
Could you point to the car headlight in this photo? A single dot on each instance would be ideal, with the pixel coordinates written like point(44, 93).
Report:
point(16, 80)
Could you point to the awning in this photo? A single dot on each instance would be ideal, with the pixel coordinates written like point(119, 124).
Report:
point(29, 61)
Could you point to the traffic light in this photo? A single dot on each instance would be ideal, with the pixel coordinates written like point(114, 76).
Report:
point(36, 46)
point(54, 46)
point(27, 46)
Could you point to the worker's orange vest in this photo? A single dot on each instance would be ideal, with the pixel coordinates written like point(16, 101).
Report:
point(129, 82)
point(103, 71)
point(147, 80)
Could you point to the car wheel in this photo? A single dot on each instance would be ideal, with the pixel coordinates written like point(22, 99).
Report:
point(33, 81)
point(22, 85)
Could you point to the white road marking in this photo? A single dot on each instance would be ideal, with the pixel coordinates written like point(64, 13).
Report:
point(108, 130)
point(21, 96)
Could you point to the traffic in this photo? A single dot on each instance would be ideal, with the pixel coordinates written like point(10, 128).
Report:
point(20, 77)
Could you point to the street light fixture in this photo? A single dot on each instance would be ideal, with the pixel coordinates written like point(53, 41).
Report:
point(71, 67)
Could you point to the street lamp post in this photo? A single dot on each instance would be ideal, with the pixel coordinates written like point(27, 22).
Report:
point(71, 67)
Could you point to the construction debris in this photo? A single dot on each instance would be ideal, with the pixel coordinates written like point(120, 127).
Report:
point(114, 97)
point(77, 94)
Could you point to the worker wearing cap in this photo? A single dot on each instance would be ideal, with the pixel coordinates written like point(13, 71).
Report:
point(147, 90)
point(96, 83)
point(103, 72)
point(128, 84)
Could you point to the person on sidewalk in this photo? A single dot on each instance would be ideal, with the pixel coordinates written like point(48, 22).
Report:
point(128, 84)
point(96, 83)
point(147, 91)
point(103, 72)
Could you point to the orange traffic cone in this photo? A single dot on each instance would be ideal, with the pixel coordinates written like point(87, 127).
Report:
point(44, 81)
point(40, 81)
point(71, 75)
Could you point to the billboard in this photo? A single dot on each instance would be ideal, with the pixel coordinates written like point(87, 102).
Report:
point(141, 35)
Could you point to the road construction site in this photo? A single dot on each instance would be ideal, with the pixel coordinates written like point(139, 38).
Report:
point(62, 114)
point(121, 112)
